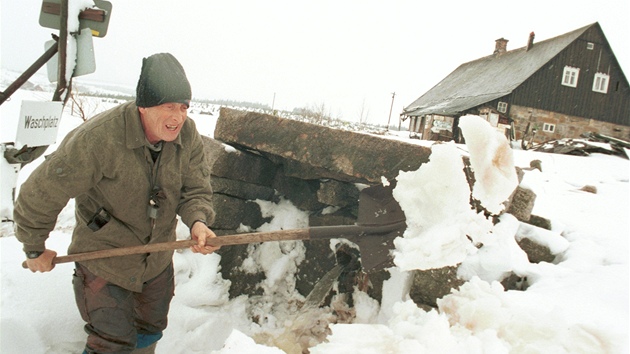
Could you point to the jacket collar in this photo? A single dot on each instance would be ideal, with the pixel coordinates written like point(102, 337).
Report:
point(134, 132)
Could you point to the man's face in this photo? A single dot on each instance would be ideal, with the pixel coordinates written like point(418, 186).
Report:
point(163, 122)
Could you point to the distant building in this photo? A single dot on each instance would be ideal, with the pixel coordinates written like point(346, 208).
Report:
point(558, 88)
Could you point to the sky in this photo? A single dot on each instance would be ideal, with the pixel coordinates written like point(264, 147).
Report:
point(348, 56)
point(576, 304)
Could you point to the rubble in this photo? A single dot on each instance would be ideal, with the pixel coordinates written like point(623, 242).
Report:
point(592, 143)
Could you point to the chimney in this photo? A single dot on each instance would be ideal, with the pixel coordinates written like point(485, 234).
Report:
point(501, 46)
point(530, 42)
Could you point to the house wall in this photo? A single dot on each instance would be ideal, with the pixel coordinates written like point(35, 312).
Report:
point(431, 127)
point(544, 89)
point(565, 126)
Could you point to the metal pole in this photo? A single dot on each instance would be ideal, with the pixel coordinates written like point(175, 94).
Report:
point(63, 45)
point(28, 73)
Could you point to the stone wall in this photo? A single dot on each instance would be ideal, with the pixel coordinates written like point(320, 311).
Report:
point(565, 126)
point(262, 157)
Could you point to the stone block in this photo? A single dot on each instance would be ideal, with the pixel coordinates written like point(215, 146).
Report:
point(212, 149)
point(318, 260)
point(341, 194)
point(427, 286)
point(536, 253)
point(347, 155)
point(242, 283)
point(302, 193)
point(232, 212)
point(241, 190)
point(244, 166)
point(540, 222)
point(522, 203)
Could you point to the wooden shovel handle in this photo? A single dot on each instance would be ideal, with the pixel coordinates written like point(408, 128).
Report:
point(240, 239)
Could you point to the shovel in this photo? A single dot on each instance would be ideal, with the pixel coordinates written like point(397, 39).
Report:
point(380, 220)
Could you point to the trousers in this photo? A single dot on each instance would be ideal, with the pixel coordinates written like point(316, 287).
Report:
point(119, 320)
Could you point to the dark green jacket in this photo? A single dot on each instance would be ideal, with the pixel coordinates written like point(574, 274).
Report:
point(106, 163)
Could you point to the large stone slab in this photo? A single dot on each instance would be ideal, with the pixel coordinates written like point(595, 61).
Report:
point(348, 156)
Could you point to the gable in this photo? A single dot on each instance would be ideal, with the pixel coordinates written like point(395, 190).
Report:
point(488, 78)
point(590, 57)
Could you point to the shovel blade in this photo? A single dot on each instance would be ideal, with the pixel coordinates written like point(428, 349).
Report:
point(378, 208)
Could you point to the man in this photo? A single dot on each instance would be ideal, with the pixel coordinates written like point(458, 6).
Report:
point(131, 171)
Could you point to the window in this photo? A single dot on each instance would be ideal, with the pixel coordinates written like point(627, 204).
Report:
point(502, 107)
point(549, 128)
point(600, 83)
point(590, 45)
point(570, 76)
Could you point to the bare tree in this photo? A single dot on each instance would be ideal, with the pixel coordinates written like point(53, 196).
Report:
point(364, 112)
point(83, 106)
point(320, 112)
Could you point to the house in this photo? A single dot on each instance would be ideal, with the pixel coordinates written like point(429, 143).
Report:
point(558, 88)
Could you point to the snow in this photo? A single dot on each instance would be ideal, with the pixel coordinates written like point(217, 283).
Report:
point(433, 197)
point(491, 159)
point(577, 304)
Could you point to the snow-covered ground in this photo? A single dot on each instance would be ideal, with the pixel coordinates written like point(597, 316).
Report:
point(577, 304)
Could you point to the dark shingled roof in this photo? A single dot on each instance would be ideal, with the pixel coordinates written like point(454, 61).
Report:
point(488, 78)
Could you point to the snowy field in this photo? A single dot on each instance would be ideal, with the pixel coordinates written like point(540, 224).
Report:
point(577, 304)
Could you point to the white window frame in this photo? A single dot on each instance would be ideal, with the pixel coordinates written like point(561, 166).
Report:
point(590, 45)
point(549, 128)
point(502, 107)
point(570, 76)
point(600, 82)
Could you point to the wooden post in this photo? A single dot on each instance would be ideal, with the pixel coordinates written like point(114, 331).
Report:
point(390, 110)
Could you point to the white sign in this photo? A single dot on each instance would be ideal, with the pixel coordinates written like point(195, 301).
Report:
point(38, 123)
point(85, 61)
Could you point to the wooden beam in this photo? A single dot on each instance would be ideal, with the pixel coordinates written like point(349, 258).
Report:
point(96, 15)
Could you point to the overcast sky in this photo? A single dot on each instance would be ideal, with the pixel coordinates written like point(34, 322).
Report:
point(346, 55)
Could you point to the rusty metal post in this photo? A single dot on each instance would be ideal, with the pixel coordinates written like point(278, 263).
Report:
point(29, 72)
point(63, 49)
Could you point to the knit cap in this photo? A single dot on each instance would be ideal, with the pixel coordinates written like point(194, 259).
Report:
point(162, 80)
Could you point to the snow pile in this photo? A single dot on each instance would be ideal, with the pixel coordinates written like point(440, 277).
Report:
point(492, 162)
point(482, 307)
point(435, 199)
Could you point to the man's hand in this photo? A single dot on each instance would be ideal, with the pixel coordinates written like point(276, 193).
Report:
point(43, 263)
point(201, 233)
